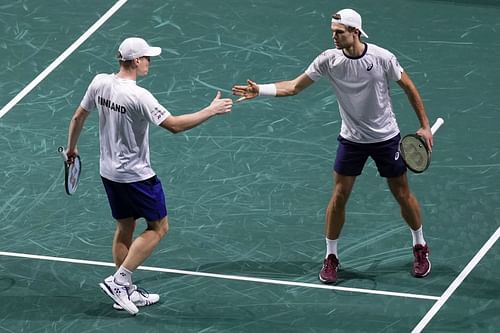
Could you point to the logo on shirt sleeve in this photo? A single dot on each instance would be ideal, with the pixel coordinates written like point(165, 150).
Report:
point(158, 113)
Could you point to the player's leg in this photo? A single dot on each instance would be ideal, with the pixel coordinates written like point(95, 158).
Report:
point(391, 166)
point(335, 211)
point(140, 249)
point(117, 286)
point(410, 211)
point(122, 240)
point(335, 219)
point(349, 162)
point(140, 199)
point(145, 243)
point(410, 208)
point(150, 203)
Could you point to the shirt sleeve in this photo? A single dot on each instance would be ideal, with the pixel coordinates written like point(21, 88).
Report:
point(394, 69)
point(152, 109)
point(318, 67)
point(88, 101)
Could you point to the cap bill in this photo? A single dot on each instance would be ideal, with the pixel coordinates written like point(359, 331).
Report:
point(153, 51)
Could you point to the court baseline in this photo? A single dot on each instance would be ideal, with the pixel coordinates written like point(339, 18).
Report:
point(225, 276)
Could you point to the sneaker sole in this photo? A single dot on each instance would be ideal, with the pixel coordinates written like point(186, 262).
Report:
point(118, 307)
point(108, 292)
point(326, 281)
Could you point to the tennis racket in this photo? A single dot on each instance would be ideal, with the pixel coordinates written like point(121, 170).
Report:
point(414, 150)
point(71, 172)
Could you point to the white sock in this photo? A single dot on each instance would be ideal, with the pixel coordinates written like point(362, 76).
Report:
point(331, 247)
point(123, 276)
point(418, 236)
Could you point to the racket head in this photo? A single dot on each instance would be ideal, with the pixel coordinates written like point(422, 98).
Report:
point(415, 153)
point(72, 175)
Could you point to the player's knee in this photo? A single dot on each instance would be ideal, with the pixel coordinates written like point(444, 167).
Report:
point(339, 200)
point(404, 197)
point(163, 227)
point(159, 227)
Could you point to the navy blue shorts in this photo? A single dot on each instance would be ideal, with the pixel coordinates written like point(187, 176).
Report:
point(139, 199)
point(351, 157)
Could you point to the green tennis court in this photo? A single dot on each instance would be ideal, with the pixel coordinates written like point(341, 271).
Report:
point(247, 192)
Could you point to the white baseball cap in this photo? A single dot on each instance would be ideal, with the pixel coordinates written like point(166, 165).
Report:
point(135, 47)
point(349, 17)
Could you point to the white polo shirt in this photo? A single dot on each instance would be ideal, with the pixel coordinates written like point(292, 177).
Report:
point(362, 89)
point(125, 111)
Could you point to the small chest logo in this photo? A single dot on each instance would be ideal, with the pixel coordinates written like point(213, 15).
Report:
point(369, 68)
point(396, 156)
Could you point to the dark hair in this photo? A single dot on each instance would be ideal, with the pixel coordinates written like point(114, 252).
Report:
point(127, 64)
point(350, 29)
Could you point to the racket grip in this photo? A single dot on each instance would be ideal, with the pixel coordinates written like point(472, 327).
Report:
point(62, 152)
point(437, 124)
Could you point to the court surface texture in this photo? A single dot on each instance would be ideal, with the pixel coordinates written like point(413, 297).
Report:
point(247, 191)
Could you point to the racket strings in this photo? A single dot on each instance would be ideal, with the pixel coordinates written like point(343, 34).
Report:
point(73, 171)
point(415, 154)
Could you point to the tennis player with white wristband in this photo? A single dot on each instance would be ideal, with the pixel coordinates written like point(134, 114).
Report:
point(133, 189)
point(360, 74)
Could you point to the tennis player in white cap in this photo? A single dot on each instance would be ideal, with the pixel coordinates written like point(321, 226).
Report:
point(133, 189)
point(360, 74)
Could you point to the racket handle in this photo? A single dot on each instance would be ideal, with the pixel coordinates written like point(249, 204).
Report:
point(62, 152)
point(437, 124)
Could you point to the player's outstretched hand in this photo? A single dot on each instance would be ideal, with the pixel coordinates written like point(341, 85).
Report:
point(251, 90)
point(221, 105)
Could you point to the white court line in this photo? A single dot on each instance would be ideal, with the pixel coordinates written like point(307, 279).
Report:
point(61, 58)
point(457, 282)
point(224, 276)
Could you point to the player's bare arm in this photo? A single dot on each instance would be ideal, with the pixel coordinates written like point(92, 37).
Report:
point(176, 124)
point(418, 105)
point(75, 128)
point(279, 89)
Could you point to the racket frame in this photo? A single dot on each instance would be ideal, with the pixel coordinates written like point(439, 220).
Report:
point(437, 124)
point(403, 155)
point(68, 170)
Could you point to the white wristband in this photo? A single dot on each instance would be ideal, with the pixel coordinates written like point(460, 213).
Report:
point(267, 89)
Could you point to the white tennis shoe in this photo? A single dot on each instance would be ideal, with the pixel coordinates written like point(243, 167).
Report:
point(119, 294)
point(139, 297)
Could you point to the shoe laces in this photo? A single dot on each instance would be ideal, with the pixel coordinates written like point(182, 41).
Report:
point(330, 264)
point(133, 288)
point(142, 291)
point(420, 253)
